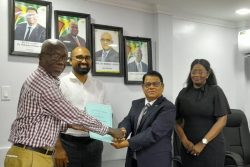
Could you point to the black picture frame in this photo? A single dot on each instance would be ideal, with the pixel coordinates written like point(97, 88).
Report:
point(29, 26)
point(109, 38)
point(132, 46)
point(70, 24)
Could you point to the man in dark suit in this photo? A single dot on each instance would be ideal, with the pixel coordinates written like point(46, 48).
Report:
point(72, 39)
point(30, 31)
point(150, 127)
point(137, 65)
point(107, 54)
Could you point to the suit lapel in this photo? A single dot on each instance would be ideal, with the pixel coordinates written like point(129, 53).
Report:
point(153, 110)
point(139, 107)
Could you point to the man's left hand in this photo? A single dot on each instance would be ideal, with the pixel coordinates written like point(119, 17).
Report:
point(120, 144)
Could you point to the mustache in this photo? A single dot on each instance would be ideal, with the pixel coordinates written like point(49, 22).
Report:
point(78, 69)
point(83, 64)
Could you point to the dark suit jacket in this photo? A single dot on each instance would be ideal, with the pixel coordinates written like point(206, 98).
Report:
point(152, 140)
point(133, 68)
point(37, 35)
point(70, 42)
point(112, 56)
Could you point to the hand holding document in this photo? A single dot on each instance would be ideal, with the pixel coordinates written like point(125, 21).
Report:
point(119, 139)
point(120, 142)
point(118, 133)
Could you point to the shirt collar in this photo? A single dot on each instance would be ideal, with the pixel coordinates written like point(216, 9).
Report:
point(202, 89)
point(75, 37)
point(72, 77)
point(151, 103)
point(31, 27)
point(43, 72)
point(137, 62)
point(106, 51)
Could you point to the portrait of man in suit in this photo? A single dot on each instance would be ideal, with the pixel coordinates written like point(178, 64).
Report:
point(72, 39)
point(107, 53)
point(150, 124)
point(31, 30)
point(137, 65)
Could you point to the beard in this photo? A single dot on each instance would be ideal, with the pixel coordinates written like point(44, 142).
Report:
point(81, 71)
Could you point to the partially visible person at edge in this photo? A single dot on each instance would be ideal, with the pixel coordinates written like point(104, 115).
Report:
point(202, 110)
point(77, 148)
point(150, 124)
point(43, 112)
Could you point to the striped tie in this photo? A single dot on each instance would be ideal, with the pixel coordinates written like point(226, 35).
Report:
point(143, 112)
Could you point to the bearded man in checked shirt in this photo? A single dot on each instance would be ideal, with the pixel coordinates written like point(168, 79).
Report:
point(43, 112)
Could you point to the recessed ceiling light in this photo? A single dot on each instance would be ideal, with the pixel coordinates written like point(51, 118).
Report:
point(243, 11)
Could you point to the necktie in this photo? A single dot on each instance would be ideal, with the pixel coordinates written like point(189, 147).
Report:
point(104, 55)
point(77, 41)
point(143, 112)
point(27, 34)
point(139, 67)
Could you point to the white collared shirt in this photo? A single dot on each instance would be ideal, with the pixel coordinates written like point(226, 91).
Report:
point(139, 65)
point(27, 29)
point(151, 103)
point(79, 94)
point(107, 52)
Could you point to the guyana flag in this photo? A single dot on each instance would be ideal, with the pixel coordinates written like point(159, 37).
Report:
point(131, 47)
point(20, 11)
point(64, 23)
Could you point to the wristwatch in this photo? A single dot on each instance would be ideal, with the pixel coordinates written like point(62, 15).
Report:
point(204, 141)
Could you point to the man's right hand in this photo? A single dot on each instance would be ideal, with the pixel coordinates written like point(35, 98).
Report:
point(60, 156)
point(118, 133)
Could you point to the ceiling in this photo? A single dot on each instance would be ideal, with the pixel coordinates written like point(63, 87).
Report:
point(213, 9)
point(219, 9)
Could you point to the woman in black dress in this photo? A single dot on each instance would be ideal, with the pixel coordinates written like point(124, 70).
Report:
point(202, 110)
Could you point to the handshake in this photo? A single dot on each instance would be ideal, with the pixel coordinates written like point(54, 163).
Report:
point(118, 135)
point(119, 140)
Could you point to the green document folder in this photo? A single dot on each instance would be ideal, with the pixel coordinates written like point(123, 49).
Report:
point(103, 113)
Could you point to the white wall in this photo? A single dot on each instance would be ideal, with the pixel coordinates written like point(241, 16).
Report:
point(15, 69)
point(218, 44)
point(176, 43)
point(193, 40)
point(164, 50)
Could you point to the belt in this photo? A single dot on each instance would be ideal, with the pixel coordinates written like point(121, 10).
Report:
point(37, 149)
point(85, 140)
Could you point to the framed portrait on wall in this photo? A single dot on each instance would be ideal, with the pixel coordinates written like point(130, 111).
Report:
point(73, 29)
point(107, 50)
point(30, 25)
point(138, 59)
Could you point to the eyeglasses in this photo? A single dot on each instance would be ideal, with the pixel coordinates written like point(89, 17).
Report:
point(80, 59)
point(30, 15)
point(154, 84)
point(57, 58)
point(198, 73)
point(105, 40)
